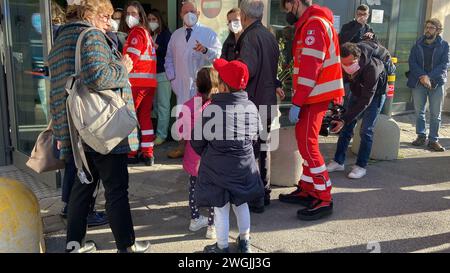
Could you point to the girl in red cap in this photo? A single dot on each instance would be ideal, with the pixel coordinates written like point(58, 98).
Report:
point(228, 174)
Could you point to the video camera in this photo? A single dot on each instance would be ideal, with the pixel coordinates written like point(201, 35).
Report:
point(335, 112)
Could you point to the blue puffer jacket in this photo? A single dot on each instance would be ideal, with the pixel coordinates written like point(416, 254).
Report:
point(441, 62)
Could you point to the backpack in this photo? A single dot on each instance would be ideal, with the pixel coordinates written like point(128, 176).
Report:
point(99, 119)
point(381, 53)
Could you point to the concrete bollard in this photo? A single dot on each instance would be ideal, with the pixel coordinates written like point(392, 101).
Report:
point(386, 140)
point(21, 228)
point(286, 165)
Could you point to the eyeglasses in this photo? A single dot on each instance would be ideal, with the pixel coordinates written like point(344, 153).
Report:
point(104, 17)
point(430, 27)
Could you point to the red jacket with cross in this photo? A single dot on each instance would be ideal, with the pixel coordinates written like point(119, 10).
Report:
point(317, 67)
point(141, 49)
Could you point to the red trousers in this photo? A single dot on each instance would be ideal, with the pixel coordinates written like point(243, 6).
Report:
point(143, 103)
point(315, 180)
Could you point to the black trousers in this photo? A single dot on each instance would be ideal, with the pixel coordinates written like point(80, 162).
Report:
point(262, 154)
point(112, 170)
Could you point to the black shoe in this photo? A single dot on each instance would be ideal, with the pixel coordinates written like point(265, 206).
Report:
point(257, 209)
point(215, 249)
point(243, 245)
point(420, 141)
point(133, 160)
point(88, 247)
point(96, 219)
point(138, 247)
point(318, 210)
point(297, 197)
point(148, 161)
point(63, 212)
point(267, 199)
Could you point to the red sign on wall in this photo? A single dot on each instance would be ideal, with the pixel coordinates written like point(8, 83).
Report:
point(211, 8)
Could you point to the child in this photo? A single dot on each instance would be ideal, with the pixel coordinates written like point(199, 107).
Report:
point(207, 84)
point(228, 173)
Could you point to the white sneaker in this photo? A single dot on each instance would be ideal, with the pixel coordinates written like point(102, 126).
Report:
point(357, 173)
point(197, 224)
point(211, 232)
point(333, 166)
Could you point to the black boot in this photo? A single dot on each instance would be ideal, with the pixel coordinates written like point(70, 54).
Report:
point(316, 211)
point(297, 197)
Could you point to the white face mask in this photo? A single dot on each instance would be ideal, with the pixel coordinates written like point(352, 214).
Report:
point(114, 25)
point(153, 26)
point(351, 69)
point(190, 19)
point(235, 26)
point(132, 21)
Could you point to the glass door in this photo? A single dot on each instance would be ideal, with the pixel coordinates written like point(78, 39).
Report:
point(28, 36)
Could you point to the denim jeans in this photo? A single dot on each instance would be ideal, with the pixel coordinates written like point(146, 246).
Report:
point(435, 98)
point(369, 118)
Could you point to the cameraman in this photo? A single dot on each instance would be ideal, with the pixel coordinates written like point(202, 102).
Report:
point(367, 76)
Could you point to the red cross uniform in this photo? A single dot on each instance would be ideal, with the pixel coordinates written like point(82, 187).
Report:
point(317, 81)
point(141, 49)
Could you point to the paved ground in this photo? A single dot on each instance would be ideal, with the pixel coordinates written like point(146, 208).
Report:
point(401, 206)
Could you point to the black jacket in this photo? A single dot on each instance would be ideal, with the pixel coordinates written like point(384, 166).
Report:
point(258, 48)
point(162, 41)
point(365, 84)
point(229, 48)
point(353, 32)
point(228, 170)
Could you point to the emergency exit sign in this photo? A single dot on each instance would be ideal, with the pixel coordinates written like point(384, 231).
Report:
point(211, 8)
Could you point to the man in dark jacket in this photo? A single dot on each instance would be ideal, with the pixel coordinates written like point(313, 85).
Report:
point(428, 64)
point(258, 48)
point(365, 73)
point(356, 30)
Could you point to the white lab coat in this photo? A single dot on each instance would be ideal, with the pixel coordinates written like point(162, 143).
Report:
point(183, 62)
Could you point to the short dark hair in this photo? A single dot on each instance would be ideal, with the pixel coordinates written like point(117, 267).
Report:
point(363, 7)
point(306, 3)
point(435, 22)
point(348, 49)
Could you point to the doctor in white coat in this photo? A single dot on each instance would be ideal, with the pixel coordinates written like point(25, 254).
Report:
point(190, 48)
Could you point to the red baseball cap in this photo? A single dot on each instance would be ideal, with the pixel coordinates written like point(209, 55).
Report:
point(234, 73)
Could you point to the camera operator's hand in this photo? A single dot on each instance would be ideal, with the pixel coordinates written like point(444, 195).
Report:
point(294, 114)
point(336, 126)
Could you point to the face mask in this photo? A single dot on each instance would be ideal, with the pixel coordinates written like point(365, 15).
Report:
point(291, 18)
point(114, 25)
point(153, 26)
point(190, 19)
point(351, 69)
point(235, 26)
point(132, 21)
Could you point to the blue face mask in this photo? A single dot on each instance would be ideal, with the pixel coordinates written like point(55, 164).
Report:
point(36, 22)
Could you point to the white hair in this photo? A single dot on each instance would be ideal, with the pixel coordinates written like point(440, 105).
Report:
point(253, 8)
point(193, 2)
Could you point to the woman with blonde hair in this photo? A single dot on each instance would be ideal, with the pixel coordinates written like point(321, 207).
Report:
point(101, 69)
